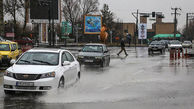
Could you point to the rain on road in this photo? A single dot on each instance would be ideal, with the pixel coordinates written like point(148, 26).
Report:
point(137, 81)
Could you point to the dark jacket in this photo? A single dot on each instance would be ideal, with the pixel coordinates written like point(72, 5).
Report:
point(122, 43)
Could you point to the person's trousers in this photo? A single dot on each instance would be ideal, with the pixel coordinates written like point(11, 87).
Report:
point(122, 49)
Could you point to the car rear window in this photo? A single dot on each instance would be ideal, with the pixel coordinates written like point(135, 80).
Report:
point(92, 48)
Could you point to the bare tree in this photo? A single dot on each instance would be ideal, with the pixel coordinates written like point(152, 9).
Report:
point(1, 18)
point(74, 10)
point(71, 11)
point(188, 32)
point(89, 6)
point(13, 8)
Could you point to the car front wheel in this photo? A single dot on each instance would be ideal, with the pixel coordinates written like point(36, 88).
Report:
point(9, 92)
point(102, 64)
point(61, 83)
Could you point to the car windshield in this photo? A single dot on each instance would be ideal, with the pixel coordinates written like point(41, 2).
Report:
point(187, 42)
point(175, 42)
point(92, 48)
point(39, 58)
point(155, 43)
point(4, 47)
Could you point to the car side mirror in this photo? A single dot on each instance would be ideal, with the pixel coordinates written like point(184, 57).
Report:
point(105, 51)
point(12, 61)
point(66, 63)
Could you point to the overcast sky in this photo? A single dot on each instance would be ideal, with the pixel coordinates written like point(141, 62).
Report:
point(123, 9)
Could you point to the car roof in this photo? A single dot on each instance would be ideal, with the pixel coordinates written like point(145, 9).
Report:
point(5, 42)
point(187, 41)
point(94, 44)
point(55, 50)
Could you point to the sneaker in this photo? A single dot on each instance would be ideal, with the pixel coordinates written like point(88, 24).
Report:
point(117, 54)
point(126, 54)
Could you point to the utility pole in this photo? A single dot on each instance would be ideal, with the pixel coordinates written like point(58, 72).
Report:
point(175, 19)
point(189, 16)
point(1, 18)
point(135, 14)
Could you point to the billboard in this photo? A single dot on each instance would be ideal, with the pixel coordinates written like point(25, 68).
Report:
point(142, 31)
point(39, 10)
point(92, 24)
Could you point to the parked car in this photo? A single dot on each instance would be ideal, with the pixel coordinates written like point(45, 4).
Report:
point(17, 49)
point(94, 53)
point(187, 44)
point(25, 42)
point(2, 39)
point(41, 70)
point(156, 46)
point(9, 50)
point(175, 44)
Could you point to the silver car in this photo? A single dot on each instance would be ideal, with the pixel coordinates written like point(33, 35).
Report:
point(94, 54)
point(187, 44)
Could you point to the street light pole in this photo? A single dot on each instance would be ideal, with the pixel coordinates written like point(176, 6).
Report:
point(136, 17)
point(53, 32)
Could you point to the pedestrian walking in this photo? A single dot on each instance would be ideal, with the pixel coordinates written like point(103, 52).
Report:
point(122, 44)
point(129, 39)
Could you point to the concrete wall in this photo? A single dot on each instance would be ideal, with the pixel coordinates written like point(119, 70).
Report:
point(164, 28)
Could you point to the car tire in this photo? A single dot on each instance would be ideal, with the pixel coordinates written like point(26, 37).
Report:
point(108, 62)
point(78, 75)
point(149, 52)
point(102, 64)
point(9, 92)
point(61, 83)
point(161, 51)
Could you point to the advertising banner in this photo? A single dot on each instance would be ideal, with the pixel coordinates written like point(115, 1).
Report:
point(142, 31)
point(92, 24)
point(41, 10)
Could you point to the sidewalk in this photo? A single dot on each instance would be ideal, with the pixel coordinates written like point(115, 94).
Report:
point(82, 44)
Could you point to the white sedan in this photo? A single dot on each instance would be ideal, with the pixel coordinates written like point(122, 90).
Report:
point(40, 70)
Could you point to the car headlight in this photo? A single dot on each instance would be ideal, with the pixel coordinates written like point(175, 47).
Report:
point(48, 75)
point(98, 57)
point(7, 73)
point(80, 56)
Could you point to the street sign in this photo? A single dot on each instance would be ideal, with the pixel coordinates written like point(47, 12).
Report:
point(66, 29)
point(142, 31)
point(10, 34)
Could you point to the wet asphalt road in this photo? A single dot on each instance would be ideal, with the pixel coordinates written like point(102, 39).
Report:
point(137, 81)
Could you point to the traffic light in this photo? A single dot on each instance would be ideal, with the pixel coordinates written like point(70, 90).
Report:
point(153, 14)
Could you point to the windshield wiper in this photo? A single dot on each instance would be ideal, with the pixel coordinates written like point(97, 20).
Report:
point(43, 62)
point(25, 61)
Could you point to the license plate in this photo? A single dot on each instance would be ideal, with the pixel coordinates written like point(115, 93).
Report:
point(24, 84)
point(88, 60)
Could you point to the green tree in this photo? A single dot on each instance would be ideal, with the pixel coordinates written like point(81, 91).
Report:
point(107, 16)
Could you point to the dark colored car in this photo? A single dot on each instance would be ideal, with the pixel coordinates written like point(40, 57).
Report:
point(94, 54)
point(166, 42)
point(156, 46)
point(25, 42)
